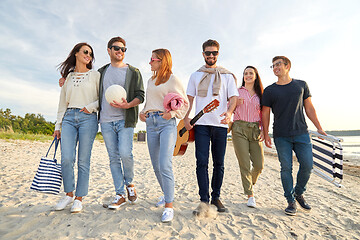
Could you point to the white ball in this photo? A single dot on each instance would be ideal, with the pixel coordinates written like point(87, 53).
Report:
point(115, 92)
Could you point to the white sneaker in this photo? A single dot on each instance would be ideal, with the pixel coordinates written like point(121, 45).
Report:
point(251, 202)
point(119, 201)
point(63, 203)
point(132, 196)
point(76, 207)
point(167, 215)
point(161, 202)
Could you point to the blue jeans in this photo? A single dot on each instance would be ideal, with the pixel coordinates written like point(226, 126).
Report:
point(218, 137)
point(119, 144)
point(302, 147)
point(161, 139)
point(77, 127)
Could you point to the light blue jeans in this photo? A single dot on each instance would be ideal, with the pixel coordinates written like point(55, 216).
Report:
point(301, 145)
point(77, 127)
point(161, 138)
point(119, 144)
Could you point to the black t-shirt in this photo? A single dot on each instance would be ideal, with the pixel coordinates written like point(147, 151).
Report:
point(287, 104)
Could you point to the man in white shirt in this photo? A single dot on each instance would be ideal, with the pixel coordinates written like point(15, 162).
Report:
point(208, 83)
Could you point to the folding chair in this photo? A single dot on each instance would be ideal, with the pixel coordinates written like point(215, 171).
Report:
point(328, 157)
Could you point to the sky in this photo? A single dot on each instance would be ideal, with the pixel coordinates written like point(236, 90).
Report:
point(320, 37)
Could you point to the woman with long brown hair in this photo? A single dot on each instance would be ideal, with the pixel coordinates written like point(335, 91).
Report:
point(246, 131)
point(76, 122)
point(161, 124)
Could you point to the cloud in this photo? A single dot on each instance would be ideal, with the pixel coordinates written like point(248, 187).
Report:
point(25, 97)
point(319, 37)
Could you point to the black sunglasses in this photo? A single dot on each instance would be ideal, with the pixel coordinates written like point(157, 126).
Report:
point(214, 53)
point(117, 48)
point(86, 52)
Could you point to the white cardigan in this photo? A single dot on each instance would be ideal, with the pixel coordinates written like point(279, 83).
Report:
point(80, 90)
point(155, 96)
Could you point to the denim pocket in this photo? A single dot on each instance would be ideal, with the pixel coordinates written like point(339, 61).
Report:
point(67, 112)
point(88, 114)
point(171, 121)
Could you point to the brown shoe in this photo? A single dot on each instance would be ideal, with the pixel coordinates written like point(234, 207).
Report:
point(131, 192)
point(118, 202)
point(218, 204)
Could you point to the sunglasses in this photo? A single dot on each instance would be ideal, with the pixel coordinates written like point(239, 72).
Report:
point(214, 53)
point(154, 59)
point(86, 52)
point(117, 48)
point(278, 64)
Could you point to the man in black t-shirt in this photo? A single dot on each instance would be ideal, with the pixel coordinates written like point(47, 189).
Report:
point(287, 98)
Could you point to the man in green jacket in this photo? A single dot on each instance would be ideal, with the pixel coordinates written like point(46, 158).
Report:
point(118, 119)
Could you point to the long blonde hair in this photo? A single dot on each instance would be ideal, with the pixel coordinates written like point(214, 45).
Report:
point(163, 75)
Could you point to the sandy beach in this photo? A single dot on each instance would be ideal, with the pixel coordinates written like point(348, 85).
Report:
point(26, 214)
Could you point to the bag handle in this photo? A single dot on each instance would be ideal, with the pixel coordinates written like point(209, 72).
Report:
point(57, 141)
point(56, 145)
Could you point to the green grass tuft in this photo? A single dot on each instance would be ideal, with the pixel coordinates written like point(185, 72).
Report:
point(25, 136)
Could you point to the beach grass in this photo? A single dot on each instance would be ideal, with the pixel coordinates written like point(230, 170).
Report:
point(34, 137)
point(25, 136)
point(99, 137)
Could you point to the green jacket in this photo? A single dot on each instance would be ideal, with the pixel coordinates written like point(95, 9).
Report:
point(134, 88)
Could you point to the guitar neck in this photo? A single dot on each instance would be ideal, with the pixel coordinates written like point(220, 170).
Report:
point(199, 115)
point(192, 122)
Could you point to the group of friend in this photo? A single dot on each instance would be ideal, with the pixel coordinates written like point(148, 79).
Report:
point(82, 106)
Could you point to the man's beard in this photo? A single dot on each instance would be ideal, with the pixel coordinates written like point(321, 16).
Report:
point(210, 62)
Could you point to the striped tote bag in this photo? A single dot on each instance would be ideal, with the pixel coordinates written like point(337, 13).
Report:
point(48, 176)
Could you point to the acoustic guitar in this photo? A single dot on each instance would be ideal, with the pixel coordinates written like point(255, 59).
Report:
point(184, 136)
